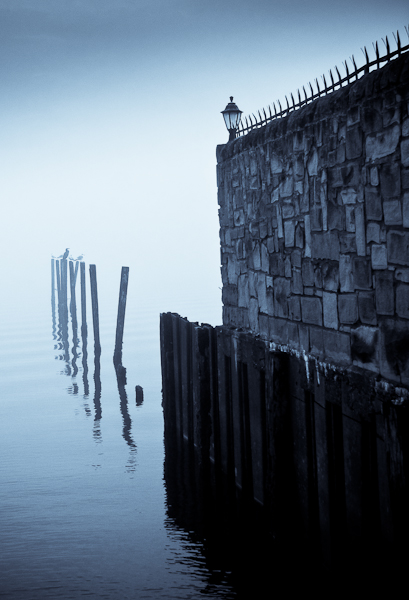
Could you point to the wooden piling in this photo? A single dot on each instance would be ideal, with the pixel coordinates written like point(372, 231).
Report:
point(121, 316)
point(83, 300)
point(94, 301)
point(73, 303)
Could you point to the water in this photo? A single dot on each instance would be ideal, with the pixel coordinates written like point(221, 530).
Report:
point(83, 500)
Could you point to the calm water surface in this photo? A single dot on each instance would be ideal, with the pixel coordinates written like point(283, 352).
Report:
point(82, 495)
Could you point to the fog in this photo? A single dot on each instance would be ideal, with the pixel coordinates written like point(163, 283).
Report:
point(109, 120)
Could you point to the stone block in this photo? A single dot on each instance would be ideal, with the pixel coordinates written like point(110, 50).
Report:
point(264, 327)
point(347, 242)
point(383, 144)
point(373, 233)
point(366, 308)
point(307, 271)
point(373, 205)
point(278, 330)
point(379, 257)
point(296, 282)
point(308, 240)
point(294, 308)
point(364, 345)
point(348, 309)
point(277, 267)
point(405, 127)
point(230, 295)
point(374, 176)
point(398, 247)
point(289, 233)
point(337, 347)
point(296, 258)
point(265, 258)
point(360, 230)
point(404, 151)
point(402, 300)
point(336, 217)
point(253, 315)
point(330, 310)
point(394, 350)
point(311, 310)
point(346, 277)
point(390, 180)
point(371, 119)
point(405, 179)
point(282, 292)
point(299, 236)
point(232, 270)
point(287, 267)
point(405, 202)
point(325, 245)
point(293, 337)
point(349, 196)
point(330, 277)
point(243, 291)
point(385, 304)
point(353, 143)
point(362, 273)
point(392, 210)
point(402, 275)
point(316, 338)
point(350, 218)
point(304, 336)
point(261, 292)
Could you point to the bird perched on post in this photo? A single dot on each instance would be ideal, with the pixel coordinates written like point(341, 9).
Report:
point(80, 257)
point(65, 255)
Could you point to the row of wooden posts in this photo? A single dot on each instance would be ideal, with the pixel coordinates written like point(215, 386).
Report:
point(59, 271)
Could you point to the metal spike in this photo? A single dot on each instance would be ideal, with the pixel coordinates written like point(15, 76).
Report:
point(275, 108)
point(305, 94)
point(247, 123)
point(288, 106)
point(261, 118)
point(318, 87)
point(352, 59)
point(312, 91)
point(339, 75)
point(299, 97)
point(407, 30)
point(292, 98)
point(255, 119)
point(265, 116)
point(376, 48)
point(332, 79)
point(365, 53)
point(269, 108)
point(397, 41)
point(251, 122)
point(346, 68)
point(325, 84)
point(279, 104)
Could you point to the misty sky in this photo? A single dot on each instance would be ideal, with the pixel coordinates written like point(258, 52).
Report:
point(110, 116)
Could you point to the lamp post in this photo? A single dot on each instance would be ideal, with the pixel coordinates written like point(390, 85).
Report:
point(232, 118)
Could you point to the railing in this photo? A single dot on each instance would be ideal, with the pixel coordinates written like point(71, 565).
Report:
point(326, 89)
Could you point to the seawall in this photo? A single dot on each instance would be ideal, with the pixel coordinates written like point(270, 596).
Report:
point(314, 227)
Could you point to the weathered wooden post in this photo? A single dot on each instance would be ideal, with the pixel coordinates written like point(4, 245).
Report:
point(120, 323)
point(73, 302)
point(83, 300)
point(53, 295)
point(94, 301)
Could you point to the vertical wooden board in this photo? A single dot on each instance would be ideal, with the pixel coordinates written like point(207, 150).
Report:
point(185, 377)
point(214, 441)
point(177, 376)
point(321, 450)
point(386, 521)
point(237, 410)
point(224, 400)
point(352, 435)
point(301, 430)
point(168, 372)
point(201, 384)
point(257, 416)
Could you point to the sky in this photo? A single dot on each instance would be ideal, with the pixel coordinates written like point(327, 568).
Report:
point(110, 118)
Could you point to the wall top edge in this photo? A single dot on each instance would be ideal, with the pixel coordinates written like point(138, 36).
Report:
point(395, 74)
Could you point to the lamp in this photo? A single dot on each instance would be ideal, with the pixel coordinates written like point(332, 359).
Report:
point(232, 118)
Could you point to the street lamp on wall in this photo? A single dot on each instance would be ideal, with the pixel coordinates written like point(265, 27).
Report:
point(232, 118)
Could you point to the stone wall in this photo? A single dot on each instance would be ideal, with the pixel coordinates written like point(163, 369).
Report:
point(314, 226)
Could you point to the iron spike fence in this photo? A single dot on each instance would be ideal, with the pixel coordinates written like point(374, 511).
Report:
point(350, 77)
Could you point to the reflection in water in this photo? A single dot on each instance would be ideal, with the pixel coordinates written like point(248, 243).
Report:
point(62, 335)
point(126, 420)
